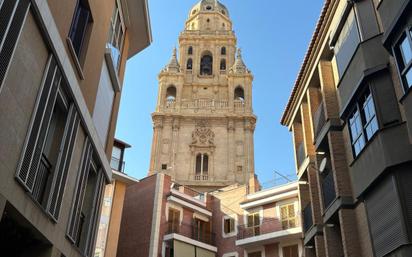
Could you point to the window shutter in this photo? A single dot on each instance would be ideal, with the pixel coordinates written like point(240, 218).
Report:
point(66, 150)
point(95, 214)
point(72, 230)
point(226, 228)
point(12, 16)
point(27, 170)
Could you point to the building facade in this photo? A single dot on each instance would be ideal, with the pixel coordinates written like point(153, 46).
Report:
point(350, 118)
point(60, 87)
point(179, 221)
point(204, 122)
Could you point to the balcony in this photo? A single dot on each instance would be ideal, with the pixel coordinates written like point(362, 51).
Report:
point(204, 177)
point(117, 165)
point(319, 120)
point(300, 154)
point(270, 231)
point(307, 218)
point(328, 189)
point(191, 231)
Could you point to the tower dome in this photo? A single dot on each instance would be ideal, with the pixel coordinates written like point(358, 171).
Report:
point(209, 6)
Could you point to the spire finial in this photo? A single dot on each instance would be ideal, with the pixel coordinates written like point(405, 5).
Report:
point(173, 65)
point(239, 53)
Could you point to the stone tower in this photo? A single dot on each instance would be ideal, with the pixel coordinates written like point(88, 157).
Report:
point(204, 122)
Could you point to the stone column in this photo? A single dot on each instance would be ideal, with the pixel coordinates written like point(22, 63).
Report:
point(231, 149)
point(175, 144)
point(156, 144)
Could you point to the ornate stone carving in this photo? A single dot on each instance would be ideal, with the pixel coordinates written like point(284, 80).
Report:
point(203, 135)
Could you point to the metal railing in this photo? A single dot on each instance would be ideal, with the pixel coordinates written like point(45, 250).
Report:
point(319, 119)
point(117, 165)
point(192, 231)
point(307, 217)
point(300, 153)
point(328, 189)
point(267, 226)
point(42, 178)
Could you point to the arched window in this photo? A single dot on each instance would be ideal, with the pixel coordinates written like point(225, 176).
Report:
point(189, 64)
point(190, 50)
point(239, 94)
point(206, 64)
point(223, 49)
point(171, 93)
point(202, 164)
point(223, 64)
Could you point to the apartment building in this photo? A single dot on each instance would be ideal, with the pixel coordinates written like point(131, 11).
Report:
point(113, 200)
point(61, 70)
point(179, 221)
point(349, 116)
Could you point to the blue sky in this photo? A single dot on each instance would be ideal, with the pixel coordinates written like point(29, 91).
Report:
point(273, 35)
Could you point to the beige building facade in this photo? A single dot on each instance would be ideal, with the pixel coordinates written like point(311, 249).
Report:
point(204, 121)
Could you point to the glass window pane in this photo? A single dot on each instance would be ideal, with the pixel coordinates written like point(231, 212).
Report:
point(406, 50)
point(408, 78)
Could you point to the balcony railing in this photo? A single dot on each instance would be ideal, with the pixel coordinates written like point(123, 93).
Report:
point(300, 153)
point(117, 165)
point(42, 178)
point(202, 177)
point(267, 226)
point(319, 119)
point(307, 218)
point(328, 188)
point(191, 231)
point(115, 54)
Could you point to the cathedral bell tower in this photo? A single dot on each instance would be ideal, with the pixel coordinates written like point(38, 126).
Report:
point(204, 121)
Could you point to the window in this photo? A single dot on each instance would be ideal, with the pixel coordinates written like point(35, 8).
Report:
point(228, 225)
point(206, 65)
point(254, 254)
point(164, 166)
point(189, 65)
point(209, 8)
point(201, 231)
point(223, 49)
point(173, 221)
point(362, 122)
point(190, 50)
point(223, 65)
point(116, 158)
point(171, 94)
point(239, 94)
point(403, 55)
point(81, 20)
point(84, 216)
point(239, 168)
point(202, 164)
point(51, 138)
point(346, 43)
point(116, 35)
point(288, 216)
point(253, 223)
point(290, 251)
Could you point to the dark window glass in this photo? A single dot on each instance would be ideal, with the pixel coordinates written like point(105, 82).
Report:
point(362, 122)
point(81, 20)
point(347, 43)
point(206, 65)
point(223, 64)
point(164, 166)
point(205, 163)
point(223, 50)
point(189, 65)
point(190, 50)
point(198, 164)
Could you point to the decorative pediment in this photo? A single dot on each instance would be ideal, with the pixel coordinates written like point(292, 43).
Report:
point(203, 135)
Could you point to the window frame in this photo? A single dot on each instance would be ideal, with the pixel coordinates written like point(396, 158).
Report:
point(115, 36)
point(232, 232)
point(359, 105)
point(287, 218)
point(398, 53)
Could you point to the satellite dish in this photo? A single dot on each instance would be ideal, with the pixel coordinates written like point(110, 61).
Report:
point(322, 165)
